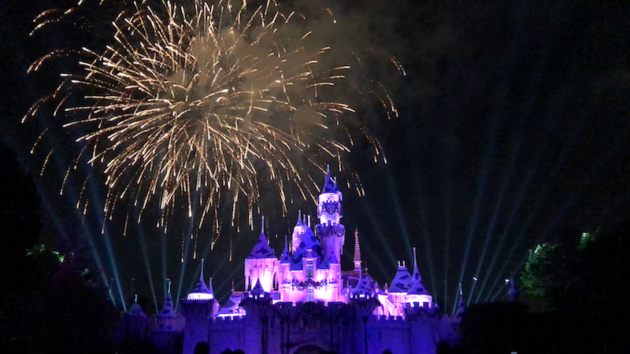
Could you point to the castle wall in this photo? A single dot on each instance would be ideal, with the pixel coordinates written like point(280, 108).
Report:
point(391, 334)
point(228, 332)
point(197, 314)
point(345, 328)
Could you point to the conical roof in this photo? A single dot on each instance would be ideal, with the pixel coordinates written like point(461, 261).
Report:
point(262, 249)
point(364, 286)
point(299, 223)
point(136, 310)
point(285, 254)
point(330, 186)
point(201, 292)
point(402, 280)
point(168, 310)
point(416, 280)
point(258, 289)
point(309, 241)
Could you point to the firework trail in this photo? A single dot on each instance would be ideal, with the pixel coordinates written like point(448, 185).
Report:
point(206, 105)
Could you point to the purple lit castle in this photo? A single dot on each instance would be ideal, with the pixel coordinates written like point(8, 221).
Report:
point(304, 303)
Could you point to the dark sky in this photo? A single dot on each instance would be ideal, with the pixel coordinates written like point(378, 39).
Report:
point(513, 129)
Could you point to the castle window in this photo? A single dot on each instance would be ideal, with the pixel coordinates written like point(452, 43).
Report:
point(309, 268)
point(310, 294)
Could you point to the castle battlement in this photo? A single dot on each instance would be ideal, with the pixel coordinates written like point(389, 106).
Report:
point(229, 321)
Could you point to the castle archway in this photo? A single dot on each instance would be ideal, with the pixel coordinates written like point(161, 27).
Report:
point(309, 349)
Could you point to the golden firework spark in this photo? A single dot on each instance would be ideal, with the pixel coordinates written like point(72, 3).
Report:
point(203, 104)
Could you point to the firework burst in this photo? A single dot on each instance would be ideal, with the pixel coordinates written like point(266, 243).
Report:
point(208, 104)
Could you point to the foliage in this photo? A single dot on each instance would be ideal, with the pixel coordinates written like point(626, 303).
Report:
point(54, 308)
point(582, 283)
point(538, 270)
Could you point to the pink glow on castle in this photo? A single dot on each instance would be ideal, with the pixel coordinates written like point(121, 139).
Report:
point(303, 300)
point(311, 269)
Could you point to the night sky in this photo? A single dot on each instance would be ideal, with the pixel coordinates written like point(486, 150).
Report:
point(513, 130)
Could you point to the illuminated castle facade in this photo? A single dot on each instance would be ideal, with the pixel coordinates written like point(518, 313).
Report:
point(303, 302)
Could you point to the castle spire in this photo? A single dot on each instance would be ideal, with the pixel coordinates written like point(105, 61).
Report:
point(461, 307)
point(329, 211)
point(200, 275)
point(136, 309)
point(417, 290)
point(285, 254)
point(415, 262)
point(168, 309)
point(201, 292)
point(330, 186)
point(402, 280)
point(512, 291)
point(262, 249)
point(257, 290)
point(210, 291)
point(357, 251)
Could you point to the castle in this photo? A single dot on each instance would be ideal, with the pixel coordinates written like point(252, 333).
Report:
point(304, 303)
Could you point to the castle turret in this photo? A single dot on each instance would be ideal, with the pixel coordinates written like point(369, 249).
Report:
point(166, 317)
point(135, 324)
point(364, 302)
point(257, 305)
point(329, 211)
point(417, 292)
point(402, 280)
point(165, 335)
point(512, 291)
point(261, 263)
point(199, 309)
point(399, 287)
point(461, 307)
point(201, 292)
point(135, 310)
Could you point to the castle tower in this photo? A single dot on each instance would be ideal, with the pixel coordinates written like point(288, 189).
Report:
point(261, 263)
point(417, 292)
point(135, 324)
point(461, 307)
point(166, 317)
point(329, 211)
point(165, 335)
point(512, 291)
point(199, 309)
point(201, 292)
